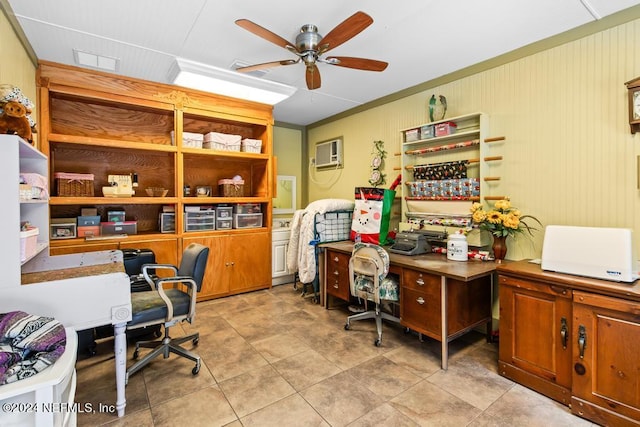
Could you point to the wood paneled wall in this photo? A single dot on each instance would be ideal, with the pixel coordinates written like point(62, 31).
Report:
point(569, 157)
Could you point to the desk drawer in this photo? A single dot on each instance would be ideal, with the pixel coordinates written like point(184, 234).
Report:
point(338, 274)
point(419, 281)
point(421, 310)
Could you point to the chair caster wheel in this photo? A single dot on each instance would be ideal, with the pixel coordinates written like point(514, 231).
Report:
point(195, 341)
point(136, 353)
point(196, 369)
point(347, 327)
point(377, 342)
point(407, 330)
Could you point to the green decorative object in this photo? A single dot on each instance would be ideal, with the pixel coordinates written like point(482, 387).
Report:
point(437, 111)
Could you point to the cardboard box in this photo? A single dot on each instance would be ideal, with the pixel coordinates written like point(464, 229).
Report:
point(89, 230)
point(88, 211)
point(446, 128)
point(88, 220)
point(411, 135)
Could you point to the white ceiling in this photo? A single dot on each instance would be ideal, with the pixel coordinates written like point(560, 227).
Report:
point(420, 39)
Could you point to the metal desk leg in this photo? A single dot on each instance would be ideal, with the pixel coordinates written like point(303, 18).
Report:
point(120, 348)
point(443, 322)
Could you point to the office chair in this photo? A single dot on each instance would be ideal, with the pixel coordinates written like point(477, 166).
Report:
point(171, 300)
point(368, 269)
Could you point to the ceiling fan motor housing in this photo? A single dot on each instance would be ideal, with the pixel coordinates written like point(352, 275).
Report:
point(307, 42)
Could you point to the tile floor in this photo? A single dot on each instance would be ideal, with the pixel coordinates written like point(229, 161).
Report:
point(272, 358)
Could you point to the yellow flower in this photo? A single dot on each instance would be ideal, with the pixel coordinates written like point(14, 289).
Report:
point(475, 206)
point(503, 220)
point(479, 216)
point(494, 217)
point(503, 205)
point(511, 221)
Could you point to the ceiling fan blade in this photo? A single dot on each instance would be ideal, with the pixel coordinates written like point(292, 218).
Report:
point(264, 33)
point(313, 77)
point(349, 28)
point(264, 65)
point(358, 63)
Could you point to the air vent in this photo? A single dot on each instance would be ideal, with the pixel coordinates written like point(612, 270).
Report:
point(257, 73)
point(92, 60)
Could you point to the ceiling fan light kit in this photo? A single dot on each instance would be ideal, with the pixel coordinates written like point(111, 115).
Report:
point(196, 75)
point(309, 47)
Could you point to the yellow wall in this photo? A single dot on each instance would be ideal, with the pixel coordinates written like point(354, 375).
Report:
point(569, 157)
point(15, 66)
point(287, 147)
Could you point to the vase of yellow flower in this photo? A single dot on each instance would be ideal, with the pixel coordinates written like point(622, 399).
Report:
point(502, 221)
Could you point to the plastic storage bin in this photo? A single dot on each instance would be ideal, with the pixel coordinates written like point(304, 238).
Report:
point(200, 221)
point(247, 220)
point(28, 243)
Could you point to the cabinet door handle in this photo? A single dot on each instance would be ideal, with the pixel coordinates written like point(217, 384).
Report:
point(564, 332)
point(420, 300)
point(582, 340)
point(420, 282)
point(336, 285)
point(335, 259)
point(336, 273)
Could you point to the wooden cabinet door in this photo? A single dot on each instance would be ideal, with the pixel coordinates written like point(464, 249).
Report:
point(215, 282)
point(248, 261)
point(606, 357)
point(535, 328)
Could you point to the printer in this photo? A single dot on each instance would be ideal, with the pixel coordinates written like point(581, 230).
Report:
point(603, 253)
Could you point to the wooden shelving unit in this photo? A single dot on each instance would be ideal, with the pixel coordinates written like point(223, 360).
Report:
point(103, 124)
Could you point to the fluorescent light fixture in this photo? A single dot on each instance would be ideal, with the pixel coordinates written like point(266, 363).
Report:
point(204, 77)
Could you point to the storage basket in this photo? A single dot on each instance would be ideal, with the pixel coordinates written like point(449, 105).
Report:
point(333, 226)
point(222, 141)
point(74, 184)
point(28, 243)
point(251, 145)
point(231, 188)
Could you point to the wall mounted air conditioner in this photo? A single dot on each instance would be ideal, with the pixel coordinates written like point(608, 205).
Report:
point(329, 153)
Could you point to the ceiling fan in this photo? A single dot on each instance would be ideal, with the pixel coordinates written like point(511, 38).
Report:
point(310, 46)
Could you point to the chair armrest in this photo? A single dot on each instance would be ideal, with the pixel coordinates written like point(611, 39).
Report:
point(183, 280)
point(146, 267)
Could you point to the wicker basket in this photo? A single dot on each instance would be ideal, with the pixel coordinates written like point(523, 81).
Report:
point(74, 184)
point(231, 188)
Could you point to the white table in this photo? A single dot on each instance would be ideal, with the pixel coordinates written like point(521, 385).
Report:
point(81, 291)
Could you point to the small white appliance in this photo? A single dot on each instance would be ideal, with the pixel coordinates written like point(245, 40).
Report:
point(603, 253)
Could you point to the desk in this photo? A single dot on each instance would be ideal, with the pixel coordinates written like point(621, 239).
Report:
point(81, 291)
point(439, 298)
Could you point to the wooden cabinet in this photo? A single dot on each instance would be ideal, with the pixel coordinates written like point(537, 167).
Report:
point(103, 124)
point(16, 157)
point(606, 345)
point(337, 274)
point(574, 339)
point(237, 263)
point(535, 325)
